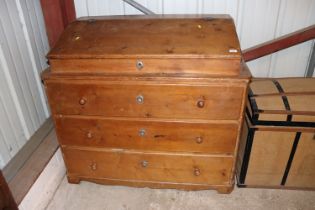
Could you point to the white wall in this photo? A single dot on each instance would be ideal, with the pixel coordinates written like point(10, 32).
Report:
point(257, 21)
point(23, 45)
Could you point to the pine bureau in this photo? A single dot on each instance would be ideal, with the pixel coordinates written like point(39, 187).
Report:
point(149, 101)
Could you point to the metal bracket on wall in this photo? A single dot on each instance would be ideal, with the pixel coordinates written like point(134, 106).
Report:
point(311, 64)
point(139, 7)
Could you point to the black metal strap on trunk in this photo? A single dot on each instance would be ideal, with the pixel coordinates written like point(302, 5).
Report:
point(247, 152)
point(284, 99)
point(289, 163)
point(253, 105)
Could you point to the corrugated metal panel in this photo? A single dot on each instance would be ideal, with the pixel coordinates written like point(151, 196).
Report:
point(257, 21)
point(23, 45)
point(293, 16)
point(255, 27)
point(36, 39)
point(16, 70)
point(10, 115)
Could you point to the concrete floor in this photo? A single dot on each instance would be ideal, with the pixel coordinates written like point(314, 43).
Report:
point(89, 196)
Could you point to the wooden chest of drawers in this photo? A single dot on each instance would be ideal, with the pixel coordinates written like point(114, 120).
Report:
point(149, 101)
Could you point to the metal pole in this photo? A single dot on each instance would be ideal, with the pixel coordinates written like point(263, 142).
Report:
point(139, 7)
point(311, 64)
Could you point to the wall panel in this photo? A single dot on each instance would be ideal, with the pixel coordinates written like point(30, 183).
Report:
point(15, 69)
point(23, 46)
point(294, 15)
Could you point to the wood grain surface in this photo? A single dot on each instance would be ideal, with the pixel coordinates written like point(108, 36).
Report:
point(176, 136)
point(205, 37)
point(165, 167)
point(149, 101)
point(176, 101)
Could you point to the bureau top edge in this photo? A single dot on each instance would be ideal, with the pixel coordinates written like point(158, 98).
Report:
point(157, 36)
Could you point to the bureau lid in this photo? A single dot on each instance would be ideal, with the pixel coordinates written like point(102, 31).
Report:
point(152, 37)
point(282, 102)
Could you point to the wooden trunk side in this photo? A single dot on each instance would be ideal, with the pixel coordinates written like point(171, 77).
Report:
point(297, 85)
point(280, 157)
point(290, 86)
point(302, 170)
point(261, 87)
point(268, 157)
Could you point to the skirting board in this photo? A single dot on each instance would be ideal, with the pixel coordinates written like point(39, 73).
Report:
point(12, 168)
point(42, 191)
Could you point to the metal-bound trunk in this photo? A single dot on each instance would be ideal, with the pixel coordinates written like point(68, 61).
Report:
point(277, 146)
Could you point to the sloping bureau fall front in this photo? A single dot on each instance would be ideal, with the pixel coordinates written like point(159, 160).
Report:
point(149, 101)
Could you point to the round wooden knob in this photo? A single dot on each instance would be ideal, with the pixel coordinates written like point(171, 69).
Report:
point(89, 135)
point(201, 103)
point(144, 163)
point(197, 172)
point(199, 140)
point(93, 166)
point(82, 101)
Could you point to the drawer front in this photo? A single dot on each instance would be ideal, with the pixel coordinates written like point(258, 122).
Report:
point(147, 135)
point(148, 166)
point(188, 66)
point(151, 101)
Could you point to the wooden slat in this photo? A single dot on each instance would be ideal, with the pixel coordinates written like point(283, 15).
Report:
point(57, 14)
point(18, 160)
point(28, 174)
point(280, 43)
point(6, 199)
point(68, 11)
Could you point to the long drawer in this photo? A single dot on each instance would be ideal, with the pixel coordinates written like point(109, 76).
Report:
point(148, 166)
point(95, 97)
point(143, 134)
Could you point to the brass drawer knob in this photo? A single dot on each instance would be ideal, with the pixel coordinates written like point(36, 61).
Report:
point(199, 140)
point(144, 163)
point(82, 101)
point(93, 166)
point(89, 135)
point(201, 103)
point(139, 65)
point(197, 171)
point(140, 99)
point(142, 132)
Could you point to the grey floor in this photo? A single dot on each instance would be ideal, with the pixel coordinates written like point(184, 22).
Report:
point(88, 196)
